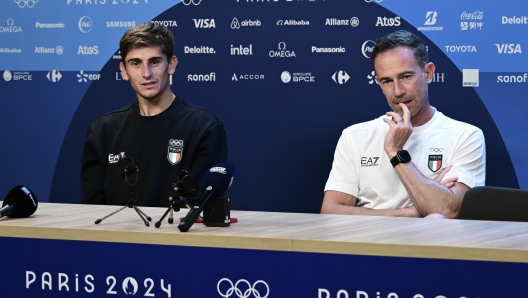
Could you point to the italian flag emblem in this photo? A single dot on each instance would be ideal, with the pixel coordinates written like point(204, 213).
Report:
point(435, 162)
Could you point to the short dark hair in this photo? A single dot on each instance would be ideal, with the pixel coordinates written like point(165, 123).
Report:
point(148, 34)
point(402, 38)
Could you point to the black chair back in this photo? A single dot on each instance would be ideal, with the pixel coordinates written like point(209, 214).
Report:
point(495, 203)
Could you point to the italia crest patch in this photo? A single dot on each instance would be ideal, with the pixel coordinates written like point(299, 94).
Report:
point(174, 154)
point(435, 162)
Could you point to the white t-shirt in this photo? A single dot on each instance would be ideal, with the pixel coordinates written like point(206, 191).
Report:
point(362, 168)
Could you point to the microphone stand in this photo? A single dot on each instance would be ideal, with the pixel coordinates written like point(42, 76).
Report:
point(186, 184)
point(131, 178)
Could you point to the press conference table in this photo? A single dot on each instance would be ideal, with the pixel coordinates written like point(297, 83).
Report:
point(279, 254)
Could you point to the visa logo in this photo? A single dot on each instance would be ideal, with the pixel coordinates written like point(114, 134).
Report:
point(204, 23)
point(509, 48)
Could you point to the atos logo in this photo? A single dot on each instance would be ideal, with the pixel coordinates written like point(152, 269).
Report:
point(509, 48)
point(367, 47)
point(85, 24)
point(340, 77)
point(204, 23)
point(84, 50)
point(388, 22)
point(54, 76)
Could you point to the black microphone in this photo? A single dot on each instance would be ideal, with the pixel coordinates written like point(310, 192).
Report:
point(19, 202)
point(217, 180)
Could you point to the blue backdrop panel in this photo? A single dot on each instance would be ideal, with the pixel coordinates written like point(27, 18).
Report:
point(281, 135)
point(97, 269)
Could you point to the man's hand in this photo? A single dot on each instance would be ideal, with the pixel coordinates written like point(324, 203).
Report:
point(399, 132)
point(449, 182)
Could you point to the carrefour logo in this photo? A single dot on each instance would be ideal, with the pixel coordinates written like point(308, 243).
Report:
point(85, 24)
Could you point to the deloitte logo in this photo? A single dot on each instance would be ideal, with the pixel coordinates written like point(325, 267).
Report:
point(340, 77)
point(54, 76)
point(85, 24)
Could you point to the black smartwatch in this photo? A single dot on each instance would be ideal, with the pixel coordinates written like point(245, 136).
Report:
point(401, 157)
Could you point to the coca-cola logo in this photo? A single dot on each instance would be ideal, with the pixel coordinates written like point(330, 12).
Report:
point(477, 15)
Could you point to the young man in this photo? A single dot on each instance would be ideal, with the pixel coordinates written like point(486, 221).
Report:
point(414, 161)
point(161, 132)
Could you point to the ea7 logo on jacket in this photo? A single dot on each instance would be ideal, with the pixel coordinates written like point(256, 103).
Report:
point(174, 154)
point(115, 157)
point(369, 161)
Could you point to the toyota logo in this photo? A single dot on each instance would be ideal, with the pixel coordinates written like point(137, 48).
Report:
point(24, 3)
point(251, 289)
point(189, 2)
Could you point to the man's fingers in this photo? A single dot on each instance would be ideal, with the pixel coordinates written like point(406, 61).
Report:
point(406, 113)
point(442, 174)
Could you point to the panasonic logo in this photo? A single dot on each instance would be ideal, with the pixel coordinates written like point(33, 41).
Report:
point(327, 50)
point(49, 25)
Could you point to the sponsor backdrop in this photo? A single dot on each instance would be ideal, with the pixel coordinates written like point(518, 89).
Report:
point(285, 76)
point(116, 271)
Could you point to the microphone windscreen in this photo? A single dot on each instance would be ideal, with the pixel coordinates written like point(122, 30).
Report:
point(24, 200)
point(219, 177)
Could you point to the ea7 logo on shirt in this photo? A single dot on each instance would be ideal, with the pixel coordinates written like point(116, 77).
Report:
point(435, 162)
point(369, 161)
point(115, 157)
point(174, 154)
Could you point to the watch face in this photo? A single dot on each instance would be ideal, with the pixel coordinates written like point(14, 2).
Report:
point(404, 156)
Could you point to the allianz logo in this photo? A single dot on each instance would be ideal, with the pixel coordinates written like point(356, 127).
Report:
point(509, 48)
point(461, 49)
point(354, 22)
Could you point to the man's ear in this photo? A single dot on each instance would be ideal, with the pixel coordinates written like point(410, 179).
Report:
point(429, 70)
point(123, 71)
point(172, 64)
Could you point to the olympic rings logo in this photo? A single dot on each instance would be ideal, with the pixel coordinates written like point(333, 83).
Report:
point(234, 289)
point(24, 3)
point(436, 150)
point(189, 2)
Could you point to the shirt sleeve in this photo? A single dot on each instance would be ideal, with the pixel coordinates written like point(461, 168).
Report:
point(343, 176)
point(469, 161)
point(91, 172)
point(211, 151)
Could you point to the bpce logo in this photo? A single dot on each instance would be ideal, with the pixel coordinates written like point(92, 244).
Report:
point(242, 288)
